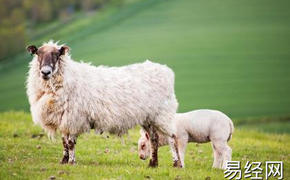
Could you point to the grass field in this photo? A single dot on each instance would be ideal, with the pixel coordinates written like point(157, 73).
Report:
point(233, 56)
point(102, 157)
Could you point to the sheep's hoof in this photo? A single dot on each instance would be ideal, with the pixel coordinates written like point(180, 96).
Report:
point(177, 164)
point(72, 162)
point(153, 163)
point(64, 160)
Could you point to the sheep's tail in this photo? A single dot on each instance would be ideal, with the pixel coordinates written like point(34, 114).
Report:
point(231, 129)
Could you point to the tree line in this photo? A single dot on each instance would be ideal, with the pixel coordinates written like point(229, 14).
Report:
point(19, 17)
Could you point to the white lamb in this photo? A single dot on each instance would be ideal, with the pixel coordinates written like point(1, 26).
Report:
point(75, 97)
point(199, 126)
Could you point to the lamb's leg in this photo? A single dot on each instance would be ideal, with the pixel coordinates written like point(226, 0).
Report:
point(182, 147)
point(215, 158)
point(65, 150)
point(227, 156)
point(218, 151)
point(71, 147)
point(154, 147)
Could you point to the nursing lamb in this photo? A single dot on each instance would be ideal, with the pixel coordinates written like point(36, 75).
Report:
point(199, 126)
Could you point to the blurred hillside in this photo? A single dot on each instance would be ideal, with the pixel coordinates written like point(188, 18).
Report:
point(232, 55)
point(19, 19)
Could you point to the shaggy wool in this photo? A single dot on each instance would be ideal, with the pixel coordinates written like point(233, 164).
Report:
point(80, 96)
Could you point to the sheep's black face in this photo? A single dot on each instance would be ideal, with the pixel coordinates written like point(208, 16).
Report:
point(48, 57)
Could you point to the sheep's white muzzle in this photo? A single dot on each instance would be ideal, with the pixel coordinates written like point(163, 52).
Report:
point(46, 72)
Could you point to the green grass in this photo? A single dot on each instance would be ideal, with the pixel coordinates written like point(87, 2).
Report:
point(278, 125)
point(272, 127)
point(99, 157)
point(231, 55)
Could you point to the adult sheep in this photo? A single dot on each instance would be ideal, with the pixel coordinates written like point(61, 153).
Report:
point(74, 97)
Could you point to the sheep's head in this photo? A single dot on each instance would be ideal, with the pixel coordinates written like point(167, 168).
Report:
point(144, 145)
point(48, 57)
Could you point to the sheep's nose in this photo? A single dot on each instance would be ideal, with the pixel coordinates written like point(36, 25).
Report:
point(45, 72)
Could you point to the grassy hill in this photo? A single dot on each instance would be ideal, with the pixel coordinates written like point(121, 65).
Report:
point(230, 55)
point(24, 154)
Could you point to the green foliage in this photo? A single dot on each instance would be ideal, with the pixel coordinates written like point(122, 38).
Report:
point(19, 19)
point(12, 29)
point(26, 155)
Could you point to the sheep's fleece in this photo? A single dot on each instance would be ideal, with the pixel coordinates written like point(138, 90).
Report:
point(80, 96)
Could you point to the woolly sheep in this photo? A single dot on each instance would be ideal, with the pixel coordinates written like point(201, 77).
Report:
point(74, 97)
point(199, 126)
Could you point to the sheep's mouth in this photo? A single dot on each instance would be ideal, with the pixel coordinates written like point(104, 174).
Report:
point(45, 78)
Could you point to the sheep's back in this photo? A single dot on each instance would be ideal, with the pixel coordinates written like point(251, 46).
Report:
point(118, 98)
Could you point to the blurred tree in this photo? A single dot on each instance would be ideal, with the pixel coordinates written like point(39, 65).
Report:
point(38, 11)
point(117, 3)
point(19, 16)
point(88, 5)
point(12, 31)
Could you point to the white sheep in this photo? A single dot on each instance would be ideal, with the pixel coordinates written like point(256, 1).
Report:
point(199, 126)
point(74, 97)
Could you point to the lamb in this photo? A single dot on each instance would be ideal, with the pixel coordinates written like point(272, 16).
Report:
point(199, 126)
point(72, 98)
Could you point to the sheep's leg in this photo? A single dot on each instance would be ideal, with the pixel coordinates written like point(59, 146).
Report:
point(177, 163)
point(173, 151)
point(168, 129)
point(174, 145)
point(154, 147)
point(181, 147)
point(71, 147)
point(65, 150)
point(165, 125)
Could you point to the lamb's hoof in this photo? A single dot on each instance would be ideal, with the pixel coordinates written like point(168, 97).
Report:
point(177, 164)
point(153, 164)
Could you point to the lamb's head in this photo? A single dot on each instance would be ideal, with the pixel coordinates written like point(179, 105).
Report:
point(144, 145)
point(48, 57)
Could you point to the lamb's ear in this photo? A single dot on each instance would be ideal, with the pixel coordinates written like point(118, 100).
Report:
point(147, 135)
point(142, 132)
point(32, 49)
point(63, 50)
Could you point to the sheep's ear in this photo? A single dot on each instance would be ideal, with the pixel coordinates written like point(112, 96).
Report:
point(63, 50)
point(147, 135)
point(32, 49)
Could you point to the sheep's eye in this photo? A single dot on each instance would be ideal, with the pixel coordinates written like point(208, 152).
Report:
point(143, 146)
